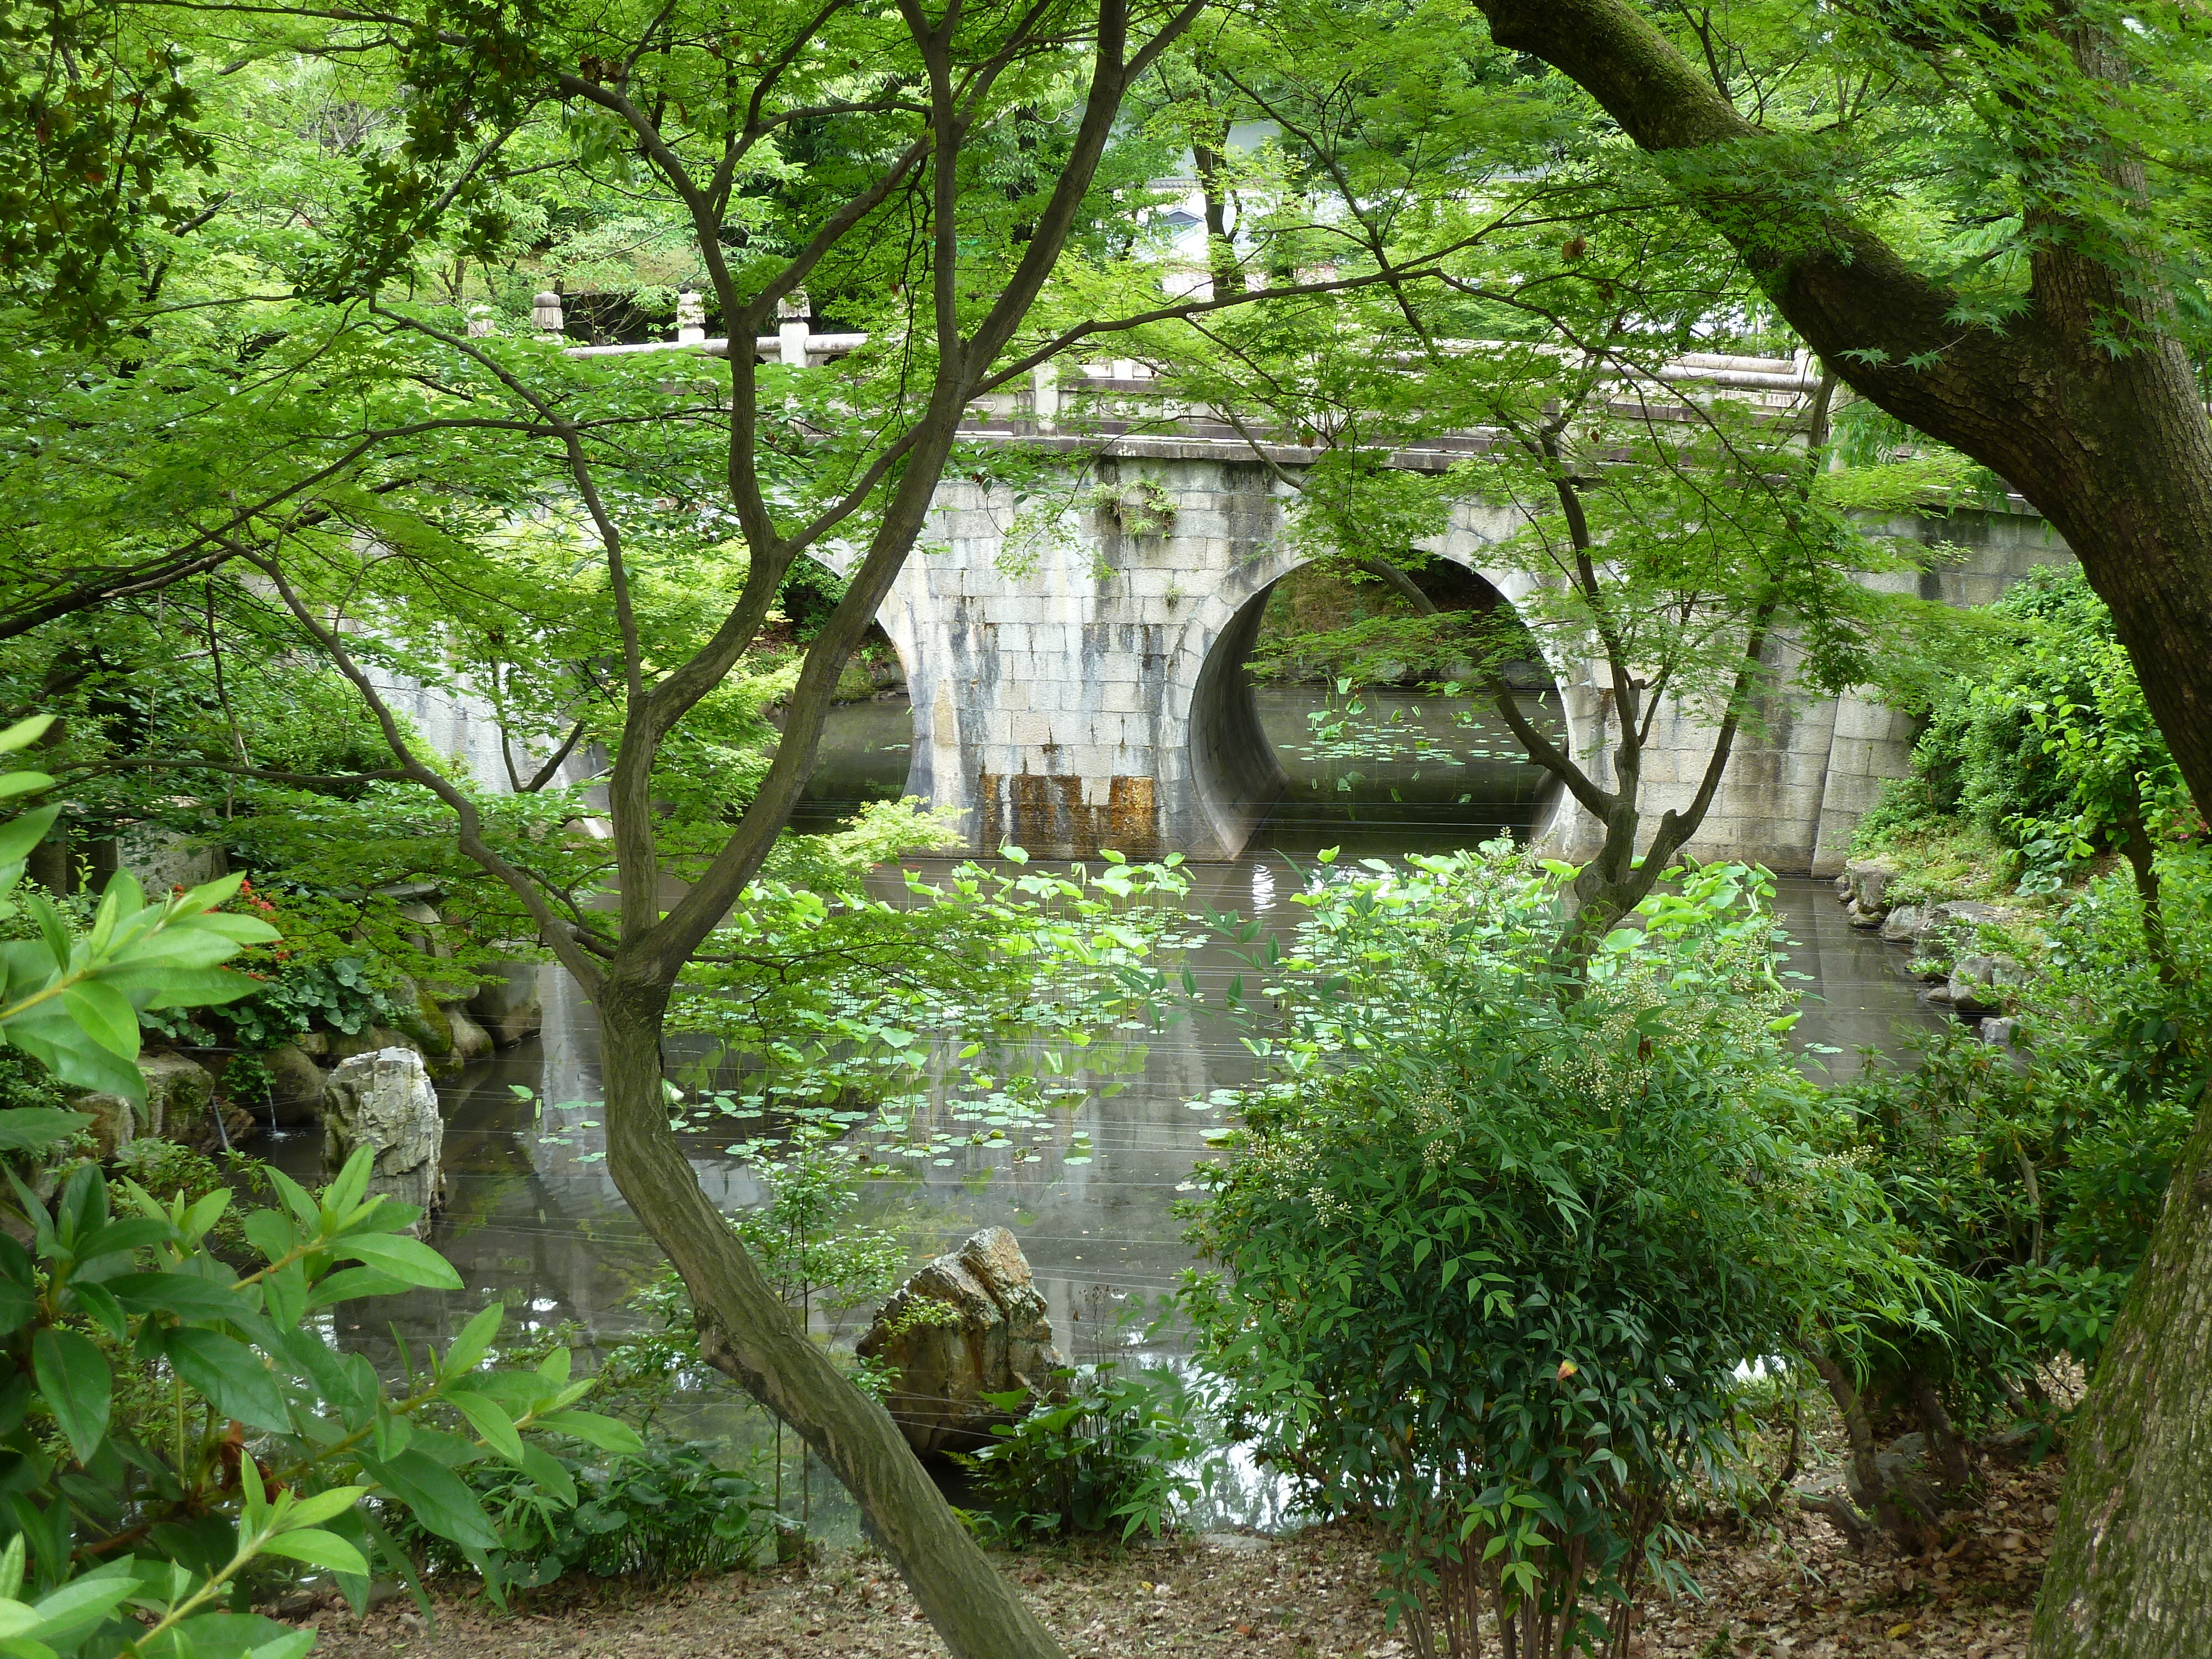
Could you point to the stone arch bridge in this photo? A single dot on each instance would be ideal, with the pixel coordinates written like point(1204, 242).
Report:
point(1077, 677)
point(1079, 683)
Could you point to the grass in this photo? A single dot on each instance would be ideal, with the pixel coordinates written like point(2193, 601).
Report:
point(1940, 858)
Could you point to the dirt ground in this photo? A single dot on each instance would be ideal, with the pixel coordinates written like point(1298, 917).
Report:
point(1795, 1590)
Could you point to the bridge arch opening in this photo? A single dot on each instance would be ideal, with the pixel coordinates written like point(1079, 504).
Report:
point(865, 750)
point(1293, 750)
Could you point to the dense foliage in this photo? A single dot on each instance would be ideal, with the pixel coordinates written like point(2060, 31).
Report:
point(176, 1433)
point(665, 1508)
point(2037, 1170)
point(2044, 745)
point(1102, 1450)
point(1496, 1246)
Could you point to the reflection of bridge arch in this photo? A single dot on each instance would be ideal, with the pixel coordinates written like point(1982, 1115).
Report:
point(1236, 775)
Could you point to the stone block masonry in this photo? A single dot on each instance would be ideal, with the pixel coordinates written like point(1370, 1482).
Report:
point(1084, 688)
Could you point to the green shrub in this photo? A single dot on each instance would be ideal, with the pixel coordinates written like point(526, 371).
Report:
point(138, 1513)
point(2037, 1174)
point(25, 1084)
point(289, 997)
point(1104, 1452)
point(666, 1509)
point(2047, 749)
point(1496, 1243)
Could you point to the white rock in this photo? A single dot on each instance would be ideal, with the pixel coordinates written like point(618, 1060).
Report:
point(385, 1100)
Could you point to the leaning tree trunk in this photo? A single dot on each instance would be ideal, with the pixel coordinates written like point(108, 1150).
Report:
point(746, 1331)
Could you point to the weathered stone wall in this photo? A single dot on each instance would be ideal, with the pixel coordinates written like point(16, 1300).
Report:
point(1800, 781)
point(1077, 681)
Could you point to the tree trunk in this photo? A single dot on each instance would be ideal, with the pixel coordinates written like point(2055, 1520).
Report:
point(2111, 444)
point(2130, 1569)
point(747, 1331)
point(1220, 247)
point(2113, 448)
point(1859, 1433)
point(1944, 1446)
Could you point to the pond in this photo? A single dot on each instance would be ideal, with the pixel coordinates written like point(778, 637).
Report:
point(532, 1218)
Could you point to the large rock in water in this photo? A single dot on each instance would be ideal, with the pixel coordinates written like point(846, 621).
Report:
point(385, 1100)
point(181, 1104)
point(986, 1333)
point(509, 1007)
point(470, 1041)
point(295, 1086)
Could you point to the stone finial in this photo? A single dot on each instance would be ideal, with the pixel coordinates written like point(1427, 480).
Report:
point(480, 321)
point(545, 312)
point(690, 317)
point(792, 329)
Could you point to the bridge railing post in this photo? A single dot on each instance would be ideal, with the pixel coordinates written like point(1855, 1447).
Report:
point(791, 313)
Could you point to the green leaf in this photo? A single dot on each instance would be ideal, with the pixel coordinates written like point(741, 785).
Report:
point(269, 1233)
point(204, 1213)
point(404, 1259)
point(173, 986)
point(437, 1497)
point(185, 1295)
point(470, 1346)
point(323, 1506)
point(229, 1636)
point(318, 1549)
point(34, 1128)
point(83, 1602)
point(18, 1305)
point(24, 732)
point(230, 1375)
point(295, 1198)
point(117, 1237)
point(239, 930)
point(19, 835)
point(63, 1048)
point(542, 1466)
point(172, 951)
point(75, 1383)
point(349, 1283)
point(606, 1433)
point(489, 1420)
point(91, 1299)
point(344, 1195)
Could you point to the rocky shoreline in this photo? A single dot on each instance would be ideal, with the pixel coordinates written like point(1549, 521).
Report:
point(1979, 986)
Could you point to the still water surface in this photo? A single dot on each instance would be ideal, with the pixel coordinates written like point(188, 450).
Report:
point(533, 1220)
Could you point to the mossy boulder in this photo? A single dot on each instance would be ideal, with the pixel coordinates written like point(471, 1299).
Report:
point(296, 1085)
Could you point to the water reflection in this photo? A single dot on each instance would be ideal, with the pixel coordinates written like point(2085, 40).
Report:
point(533, 1219)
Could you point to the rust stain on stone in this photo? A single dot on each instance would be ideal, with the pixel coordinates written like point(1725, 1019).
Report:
point(1133, 817)
point(1077, 824)
point(1030, 813)
point(1047, 816)
point(990, 814)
